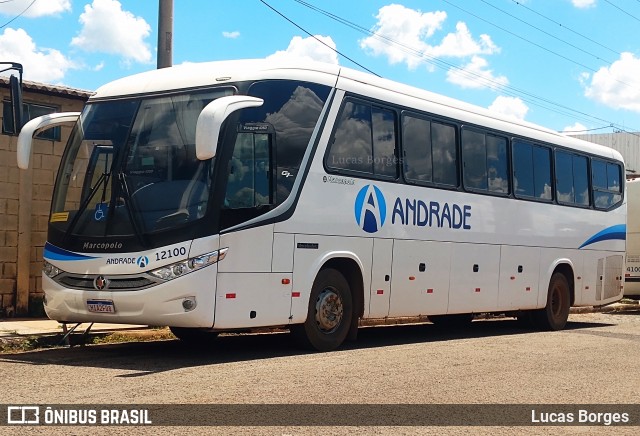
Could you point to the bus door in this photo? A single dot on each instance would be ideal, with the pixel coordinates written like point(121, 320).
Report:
point(250, 192)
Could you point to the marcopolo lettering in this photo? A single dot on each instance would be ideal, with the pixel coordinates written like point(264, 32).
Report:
point(102, 245)
point(432, 214)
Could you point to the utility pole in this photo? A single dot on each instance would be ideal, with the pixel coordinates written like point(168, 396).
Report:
point(165, 33)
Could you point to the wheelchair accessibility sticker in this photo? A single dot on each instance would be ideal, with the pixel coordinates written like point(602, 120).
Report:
point(100, 213)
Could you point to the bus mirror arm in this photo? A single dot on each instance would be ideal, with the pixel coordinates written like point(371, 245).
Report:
point(35, 126)
point(211, 118)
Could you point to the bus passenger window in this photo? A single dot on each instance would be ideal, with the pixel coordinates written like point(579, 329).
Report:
point(497, 166)
point(531, 170)
point(485, 162)
point(572, 186)
point(581, 180)
point(474, 156)
point(443, 138)
point(429, 151)
point(416, 142)
point(351, 145)
point(607, 184)
point(364, 141)
point(384, 143)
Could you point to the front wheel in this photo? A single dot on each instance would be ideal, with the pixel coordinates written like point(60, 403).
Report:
point(555, 314)
point(329, 314)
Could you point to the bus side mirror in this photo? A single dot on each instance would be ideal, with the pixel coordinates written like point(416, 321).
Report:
point(16, 103)
point(37, 125)
point(211, 118)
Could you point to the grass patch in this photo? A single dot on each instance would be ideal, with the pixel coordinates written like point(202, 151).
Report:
point(30, 343)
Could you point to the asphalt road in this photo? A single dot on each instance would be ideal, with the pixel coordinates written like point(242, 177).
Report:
point(594, 361)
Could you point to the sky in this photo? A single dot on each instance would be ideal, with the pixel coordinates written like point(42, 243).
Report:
point(569, 65)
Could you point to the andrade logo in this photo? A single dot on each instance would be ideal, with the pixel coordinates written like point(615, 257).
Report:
point(370, 209)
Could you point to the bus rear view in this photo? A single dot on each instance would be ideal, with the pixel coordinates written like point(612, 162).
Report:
point(632, 276)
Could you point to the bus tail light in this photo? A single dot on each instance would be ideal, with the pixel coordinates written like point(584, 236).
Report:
point(178, 269)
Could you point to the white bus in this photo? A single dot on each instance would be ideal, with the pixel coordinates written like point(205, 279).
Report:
point(244, 194)
point(632, 276)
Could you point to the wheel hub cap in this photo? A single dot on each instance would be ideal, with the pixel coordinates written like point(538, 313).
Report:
point(329, 310)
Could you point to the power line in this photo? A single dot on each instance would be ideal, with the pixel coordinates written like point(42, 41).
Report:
point(317, 39)
point(623, 11)
point(520, 37)
point(18, 16)
point(535, 44)
point(506, 89)
point(587, 130)
point(520, 3)
point(545, 32)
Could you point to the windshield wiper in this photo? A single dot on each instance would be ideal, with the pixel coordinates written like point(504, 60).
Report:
point(126, 196)
point(104, 179)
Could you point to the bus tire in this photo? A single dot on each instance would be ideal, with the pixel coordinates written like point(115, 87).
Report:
point(458, 320)
point(329, 314)
point(193, 336)
point(555, 314)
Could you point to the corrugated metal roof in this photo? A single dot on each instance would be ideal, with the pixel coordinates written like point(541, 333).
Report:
point(50, 89)
point(627, 143)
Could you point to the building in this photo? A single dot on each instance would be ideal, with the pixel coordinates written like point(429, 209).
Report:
point(25, 195)
point(627, 143)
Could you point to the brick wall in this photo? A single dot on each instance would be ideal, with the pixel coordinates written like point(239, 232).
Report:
point(44, 164)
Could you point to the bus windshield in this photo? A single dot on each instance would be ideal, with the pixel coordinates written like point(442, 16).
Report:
point(130, 167)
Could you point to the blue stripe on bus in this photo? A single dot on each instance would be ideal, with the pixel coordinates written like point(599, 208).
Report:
point(618, 231)
point(54, 253)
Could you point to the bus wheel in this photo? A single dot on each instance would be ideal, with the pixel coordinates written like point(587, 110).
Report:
point(459, 320)
point(330, 312)
point(555, 314)
point(193, 336)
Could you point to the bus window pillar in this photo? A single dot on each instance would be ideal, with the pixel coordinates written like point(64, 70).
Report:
point(23, 265)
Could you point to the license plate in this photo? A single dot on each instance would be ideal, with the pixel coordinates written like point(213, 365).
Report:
point(101, 306)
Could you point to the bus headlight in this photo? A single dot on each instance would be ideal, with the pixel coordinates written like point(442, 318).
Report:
point(178, 269)
point(50, 270)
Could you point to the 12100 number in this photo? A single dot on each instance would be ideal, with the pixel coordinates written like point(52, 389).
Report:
point(168, 254)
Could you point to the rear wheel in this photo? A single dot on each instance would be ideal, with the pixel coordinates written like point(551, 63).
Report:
point(193, 336)
point(329, 314)
point(555, 314)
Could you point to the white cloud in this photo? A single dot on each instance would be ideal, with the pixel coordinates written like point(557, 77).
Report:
point(575, 128)
point(231, 35)
point(309, 49)
point(402, 36)
point(106, 28)
point(37, 9)
point(476, 75)
point(583, 4)
point(511, 107)
point(40, 64)
point(409, 30)
point(616, 86)
point(462, 44)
